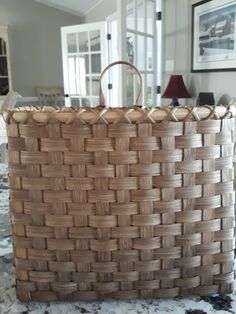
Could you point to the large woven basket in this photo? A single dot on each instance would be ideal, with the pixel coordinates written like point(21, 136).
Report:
point(121, 203)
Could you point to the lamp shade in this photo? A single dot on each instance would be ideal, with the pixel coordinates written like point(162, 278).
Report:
point(176, 88)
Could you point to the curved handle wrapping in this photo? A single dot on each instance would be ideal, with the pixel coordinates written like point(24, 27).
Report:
point(101, 96)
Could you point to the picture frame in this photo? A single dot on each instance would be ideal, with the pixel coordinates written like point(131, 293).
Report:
point(213, 44)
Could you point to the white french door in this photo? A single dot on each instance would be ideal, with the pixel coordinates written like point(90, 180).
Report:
point(140, 43)
point(84, 55)
point(131, 34)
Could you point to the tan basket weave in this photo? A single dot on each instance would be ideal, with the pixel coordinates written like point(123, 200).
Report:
point(122, 203)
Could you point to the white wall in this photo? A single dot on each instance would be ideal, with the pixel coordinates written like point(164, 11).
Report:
point(35, 43)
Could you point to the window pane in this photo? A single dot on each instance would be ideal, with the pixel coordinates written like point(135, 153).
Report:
point(83, 41)
point(95, 85)
point(84, 86)
point(72, 43)
point(78, 84)
point(133, 88)
point(150, 16)
point(149, 90)
point(72, 74)
point(130, 90)
point(3, 66)
point(3, 48)
point(95, 41)
point(96, 63)
point(141, 53)
point(140, 15)
point(130, 14)
point(130, 47)
point(149, 54)
point(85, 102)
point(94, 101)
point(4, 86)
point(75, 101)
point(84, 63)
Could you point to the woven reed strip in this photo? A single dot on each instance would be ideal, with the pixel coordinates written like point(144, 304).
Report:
point(122, 210)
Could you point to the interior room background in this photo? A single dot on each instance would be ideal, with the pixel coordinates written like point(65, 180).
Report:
point(35, 45)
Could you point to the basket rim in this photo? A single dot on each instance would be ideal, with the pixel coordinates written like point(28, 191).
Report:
point(92, 115)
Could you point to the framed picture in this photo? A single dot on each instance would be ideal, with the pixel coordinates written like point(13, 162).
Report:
point(214, 36)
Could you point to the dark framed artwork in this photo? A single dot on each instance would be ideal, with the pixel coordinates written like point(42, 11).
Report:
point(214, 36)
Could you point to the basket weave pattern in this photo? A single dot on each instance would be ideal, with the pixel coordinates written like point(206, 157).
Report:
point(121, 210)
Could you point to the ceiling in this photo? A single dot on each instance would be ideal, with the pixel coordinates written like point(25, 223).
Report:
point(78, 7)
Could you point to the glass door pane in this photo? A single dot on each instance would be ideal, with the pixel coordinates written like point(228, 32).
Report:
point(4, 86)
point(150, 52)
point(95, 40)
point(95, 85)
point(130, 42)
point(3, 47)
point(3, 66)
point(150, 16)
point(72, 43)
point(96, 63)
point(141, 51)
point(83, 41)
point(130, 19)
point(140, 9)
point(149, 90)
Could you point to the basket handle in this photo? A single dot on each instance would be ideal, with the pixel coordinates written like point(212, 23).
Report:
point(101, 95)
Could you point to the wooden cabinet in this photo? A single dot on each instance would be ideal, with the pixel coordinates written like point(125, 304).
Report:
point(5, 69)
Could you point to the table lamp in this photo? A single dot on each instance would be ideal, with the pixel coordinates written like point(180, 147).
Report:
point(176, 89)
point(206, 99)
